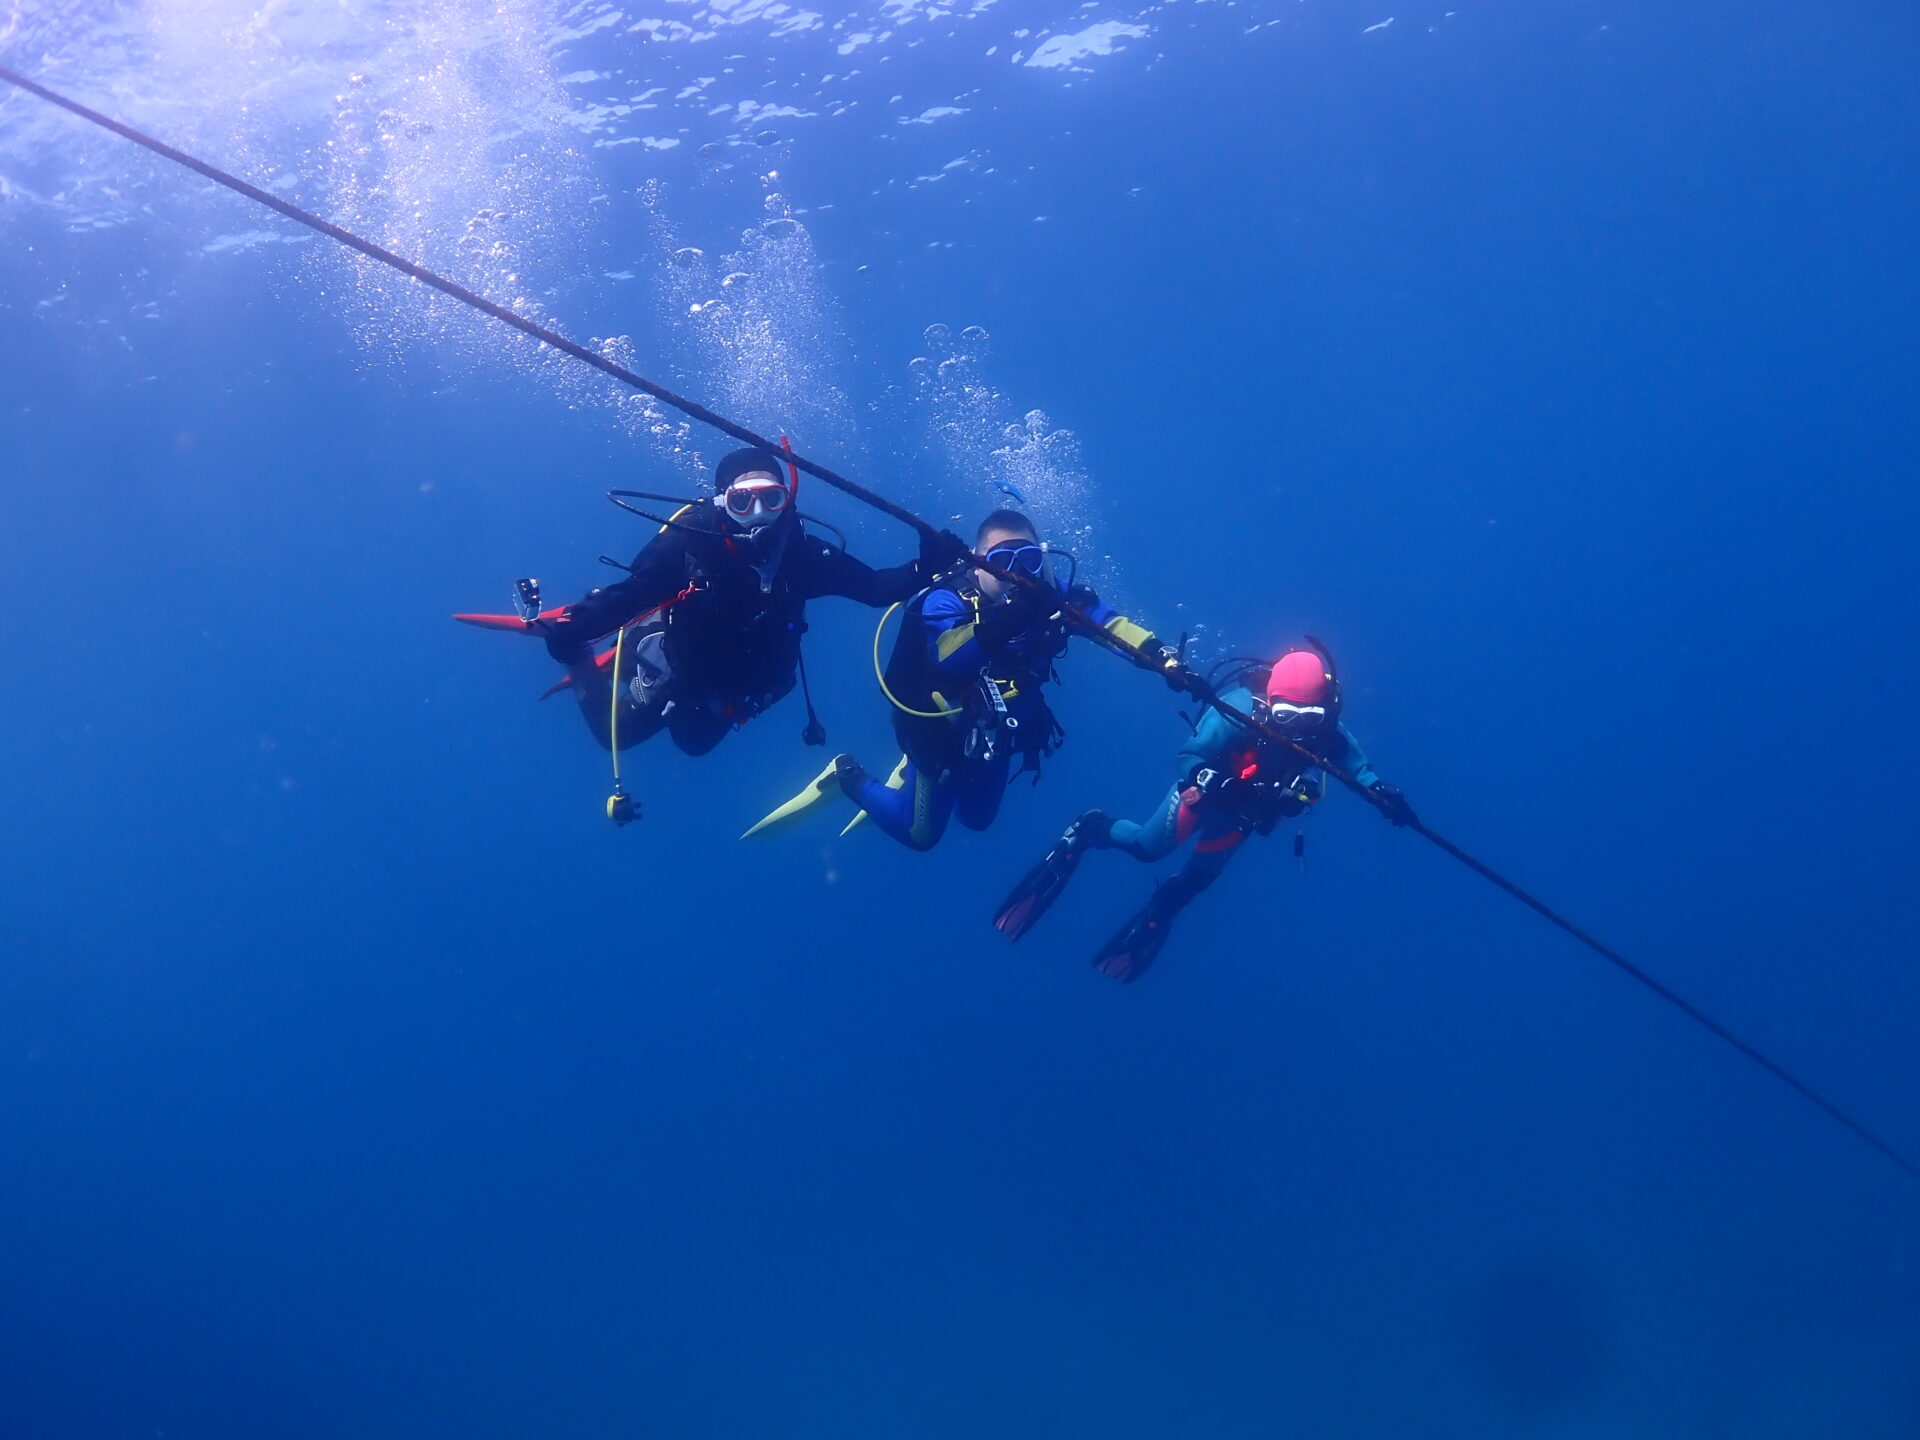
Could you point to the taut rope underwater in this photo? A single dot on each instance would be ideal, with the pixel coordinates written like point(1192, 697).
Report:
point(1191, 683)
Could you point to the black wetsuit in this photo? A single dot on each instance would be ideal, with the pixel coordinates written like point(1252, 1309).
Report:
point(726, 645)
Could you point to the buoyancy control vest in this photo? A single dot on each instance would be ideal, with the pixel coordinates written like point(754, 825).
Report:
point(1000, 708)
point(736, 631)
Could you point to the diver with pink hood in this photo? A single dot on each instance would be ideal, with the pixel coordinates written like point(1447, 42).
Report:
point(1233, 782)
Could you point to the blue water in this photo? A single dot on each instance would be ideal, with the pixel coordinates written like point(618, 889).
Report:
point(1553, 362)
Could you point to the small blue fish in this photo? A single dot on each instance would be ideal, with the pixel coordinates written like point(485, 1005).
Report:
point(1007, 488)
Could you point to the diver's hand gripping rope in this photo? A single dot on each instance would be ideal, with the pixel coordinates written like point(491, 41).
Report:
point(1075, 619)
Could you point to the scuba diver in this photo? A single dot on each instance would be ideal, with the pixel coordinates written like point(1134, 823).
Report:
point(966, 682)
point(710, 614)
point(1233, 782)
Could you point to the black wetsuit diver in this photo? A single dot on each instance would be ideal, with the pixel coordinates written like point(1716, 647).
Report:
point(713, 609)
point(966, 682)
point(1232, 783)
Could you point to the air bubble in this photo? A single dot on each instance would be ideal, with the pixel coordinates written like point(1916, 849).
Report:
point(976, 334)
point(937, 334)
point(766, 137)
point(738, 277)
point(782, 228)
point(688, 256)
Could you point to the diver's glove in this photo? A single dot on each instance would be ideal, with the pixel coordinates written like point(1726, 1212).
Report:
point(1392, 803)
point(941, 551)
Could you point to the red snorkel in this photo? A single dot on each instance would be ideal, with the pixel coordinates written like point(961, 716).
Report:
point(793, 471)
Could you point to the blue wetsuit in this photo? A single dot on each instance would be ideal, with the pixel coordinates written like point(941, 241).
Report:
point(975, 670)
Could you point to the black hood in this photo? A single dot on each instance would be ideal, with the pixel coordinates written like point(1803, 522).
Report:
point(744, 462)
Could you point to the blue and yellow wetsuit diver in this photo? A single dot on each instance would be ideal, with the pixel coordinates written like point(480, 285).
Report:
point(966, 682)
point(1231, 783)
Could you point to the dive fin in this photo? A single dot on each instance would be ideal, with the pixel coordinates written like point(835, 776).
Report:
point(519, 625)
point(823, 789)
point(603, 660)
point(1040, 887)
point(514, 623)
point(1128, 954)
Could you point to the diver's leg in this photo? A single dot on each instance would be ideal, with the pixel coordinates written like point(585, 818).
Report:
point(696, 723)
point(1159, 834)
point(916, 814)
point(979, 790)
point(594, 691)
point(1210, 856)
point(1131, 952)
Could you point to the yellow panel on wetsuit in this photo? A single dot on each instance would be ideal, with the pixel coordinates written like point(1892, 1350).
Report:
point(948, 642)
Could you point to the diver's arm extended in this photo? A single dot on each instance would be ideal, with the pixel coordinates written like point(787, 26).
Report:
point(829, 570)
point(964, 637)
point(658, 573)
point(1166, 659)
point(1088, 603)
point(1355, 762)
point(1387, 799)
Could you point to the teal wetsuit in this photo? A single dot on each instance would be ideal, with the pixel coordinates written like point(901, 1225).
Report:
point(1219, 826)
point(1233, 782)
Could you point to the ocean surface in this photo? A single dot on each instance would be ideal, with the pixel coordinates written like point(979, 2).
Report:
point(1553, 361)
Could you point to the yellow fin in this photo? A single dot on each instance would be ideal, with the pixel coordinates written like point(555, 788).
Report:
point(821, 790)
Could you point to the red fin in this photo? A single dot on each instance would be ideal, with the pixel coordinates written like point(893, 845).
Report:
point(565, 681)
point(509, 622)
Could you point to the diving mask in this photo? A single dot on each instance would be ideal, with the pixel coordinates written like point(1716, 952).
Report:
point(756, 501)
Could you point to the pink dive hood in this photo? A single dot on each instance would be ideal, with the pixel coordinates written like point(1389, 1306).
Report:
point(1299, 678)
